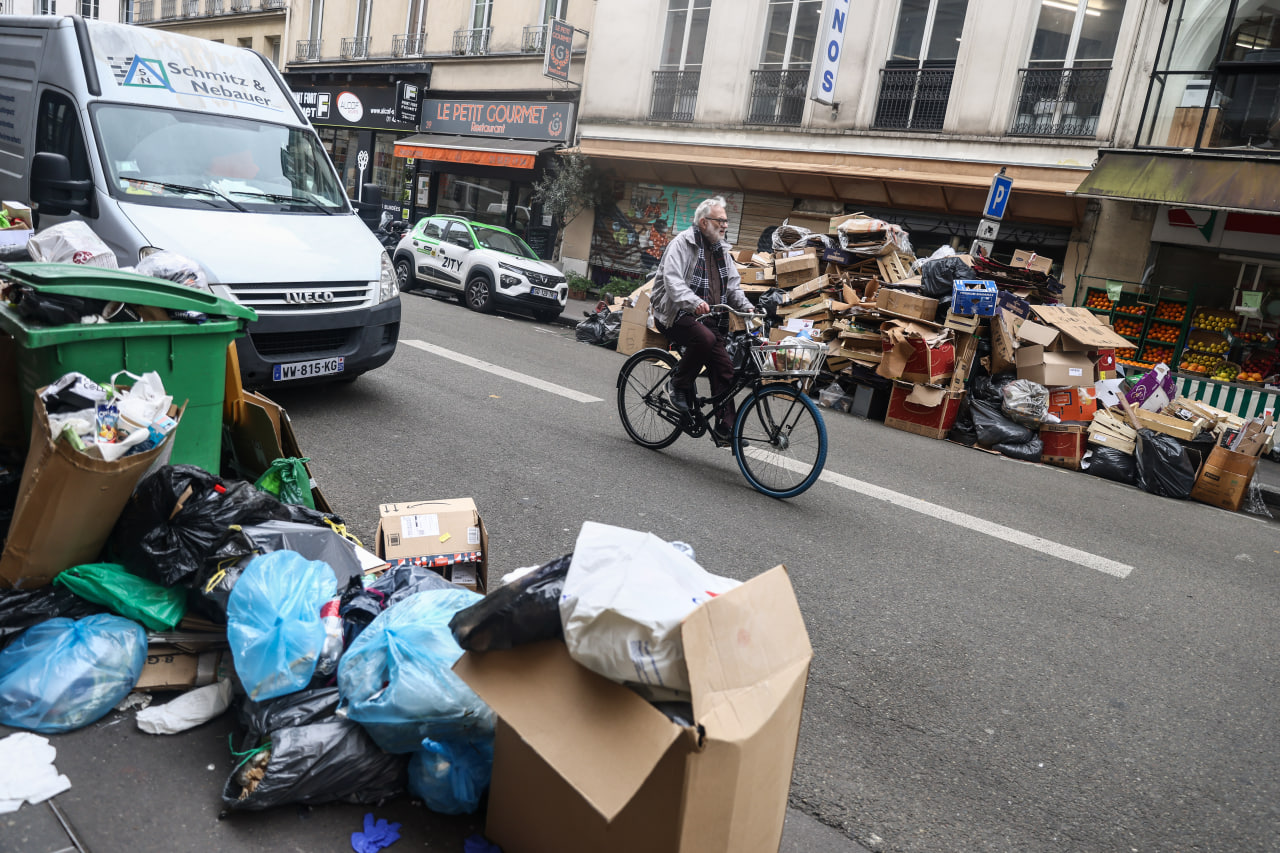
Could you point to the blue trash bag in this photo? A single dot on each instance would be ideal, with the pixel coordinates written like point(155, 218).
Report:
point(274, 626)
point(397, 677)
point(63, 673)
point(449, 776)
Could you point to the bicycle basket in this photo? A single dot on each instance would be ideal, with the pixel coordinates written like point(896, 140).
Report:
point(792, 357)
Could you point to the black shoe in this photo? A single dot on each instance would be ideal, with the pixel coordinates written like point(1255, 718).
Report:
point(722, 432)
point(679, 397)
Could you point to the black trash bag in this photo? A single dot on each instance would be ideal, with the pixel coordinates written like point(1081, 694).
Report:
point(400, 582)
point(990, 389)
point(334, 760)
point(963, 430)
point(601, 328)
point(1163, 466)
point(771, 299)
point(1027, 451)
point(937, 277)
point(994, 428)
point(22, 608)
point(55, 309)
point(358, 607)
point(258, 719)
point(212, 584)
point(1110, 464)
point(523, 611)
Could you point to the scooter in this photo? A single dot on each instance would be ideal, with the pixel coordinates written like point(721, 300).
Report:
point(390, 233)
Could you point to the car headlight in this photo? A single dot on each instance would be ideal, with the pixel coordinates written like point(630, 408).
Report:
point(148, 250)
point(511, 268)
point(387, 279)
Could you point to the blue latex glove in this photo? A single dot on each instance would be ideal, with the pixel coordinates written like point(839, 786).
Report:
point(479, 844)
point(375, 835)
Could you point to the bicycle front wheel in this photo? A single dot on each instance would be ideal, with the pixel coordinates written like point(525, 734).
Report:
point(780, 441)
point(643, 404)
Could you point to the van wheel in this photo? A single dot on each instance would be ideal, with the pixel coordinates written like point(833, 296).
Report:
point(404, 276)
point(478, 295)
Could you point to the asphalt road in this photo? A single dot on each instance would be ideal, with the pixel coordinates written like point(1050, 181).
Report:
point(1007, 656)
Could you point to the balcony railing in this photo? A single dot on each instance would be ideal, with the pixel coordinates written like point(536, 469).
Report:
point(675, 94)
point(534, 39)
point(408, 44)
point(168, 8)
point(241, 5)
point(308, 50)
point(190, 8)
point(1060, 101)
point(355, 48)
point(272, 4)
point(146, 11)
point(913, 98)
point(778, 96)
point(213, 7)
point(471, 42)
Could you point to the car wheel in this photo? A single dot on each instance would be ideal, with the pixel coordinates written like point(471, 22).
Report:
point(478, 295)
point(404, 276)
point(546, 315)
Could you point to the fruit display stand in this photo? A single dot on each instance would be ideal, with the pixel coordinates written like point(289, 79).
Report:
point(1245, 401)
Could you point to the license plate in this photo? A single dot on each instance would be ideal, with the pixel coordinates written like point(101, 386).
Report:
point(307, 369)
point(545, 292)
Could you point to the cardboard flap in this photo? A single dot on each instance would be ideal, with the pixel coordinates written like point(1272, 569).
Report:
point(1081, 325)
point(542, 693)
point(742, 649)
point(1034, 333)
point(929, 396)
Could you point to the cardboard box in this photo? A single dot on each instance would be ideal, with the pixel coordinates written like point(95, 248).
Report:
point(1053, 368)
point(1013, 303)
point(1106, 361)
point(757, 275)
point(171, 668)
point(1176, 427)
point(905, 304)
point(1154, 390)
point(967, 323)
point(1106, 438)
point(582, 764)
point(1224, 480)
point(1024, 259)
point(1004, 341)
point(838, 256)
point(1081, 326)
point(966, 353)
point(928, 410)
point(973, 297)
point(1073, 404)
point(809, 288)
point(633, 337)
point(792, 271)
point(446, 535)
point(913, 357)
point(1064, 444)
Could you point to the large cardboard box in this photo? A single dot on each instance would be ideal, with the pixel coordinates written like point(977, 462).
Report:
point(172, 668)
point(633, 337)
point(1081, 326)
point(928, 410)
point(791, 271)
point(1073, 403)
point(906, 304)
point(974, 297)
point(911, 356)
point(583, 765)
point(1064, 444)
point(1053, 368)
point(446, 535)
point(1224, 479)
point(1024, 259)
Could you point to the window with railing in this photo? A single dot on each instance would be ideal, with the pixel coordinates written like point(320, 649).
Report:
point(308, 50)
point(533, 39)
point(272, 4)
point(472, 42)
point(146, 11)
point(355, 48)
point(241, 5)
point(915, 84)
point(675, 95)
point(1216, 85)
point(213, 7)
point(408, 44)
point(190, 8)
point(168, 8)
point(778, 97)
point(778, 87)
point(675, 83)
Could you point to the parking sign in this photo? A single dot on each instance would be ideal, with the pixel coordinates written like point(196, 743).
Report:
point(998, 197)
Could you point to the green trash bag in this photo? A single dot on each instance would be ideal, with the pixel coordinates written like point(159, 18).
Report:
point(111, 585)
point(288, 480)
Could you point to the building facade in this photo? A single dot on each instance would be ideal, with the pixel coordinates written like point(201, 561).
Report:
point(105, 10)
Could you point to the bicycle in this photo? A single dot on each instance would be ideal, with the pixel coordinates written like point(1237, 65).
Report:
point(779, 438)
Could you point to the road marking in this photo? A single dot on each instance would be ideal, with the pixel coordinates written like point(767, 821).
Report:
point(532, 381)
point(960, 519)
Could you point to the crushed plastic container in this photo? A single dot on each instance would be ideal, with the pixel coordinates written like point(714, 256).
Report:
point(189, 357)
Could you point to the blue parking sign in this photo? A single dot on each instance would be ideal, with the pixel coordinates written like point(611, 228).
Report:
point(998, 197)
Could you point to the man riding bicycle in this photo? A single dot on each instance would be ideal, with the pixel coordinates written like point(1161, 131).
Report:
point(696, 272)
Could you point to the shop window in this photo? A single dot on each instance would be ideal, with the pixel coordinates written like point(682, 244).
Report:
point(675, 83)
point(915, 84)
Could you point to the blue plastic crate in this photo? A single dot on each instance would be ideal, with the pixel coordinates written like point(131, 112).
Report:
point(977, 298)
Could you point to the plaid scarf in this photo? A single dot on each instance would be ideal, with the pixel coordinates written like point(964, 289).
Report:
point(698, 280)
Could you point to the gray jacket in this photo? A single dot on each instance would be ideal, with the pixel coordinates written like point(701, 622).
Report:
point(671, 292)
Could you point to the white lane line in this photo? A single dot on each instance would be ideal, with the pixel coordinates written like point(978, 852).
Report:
point(532, 381)
point(960, 519)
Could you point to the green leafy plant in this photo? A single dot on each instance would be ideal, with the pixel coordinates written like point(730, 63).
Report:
point(570, 186)
point(618, 286)
point(578, 283)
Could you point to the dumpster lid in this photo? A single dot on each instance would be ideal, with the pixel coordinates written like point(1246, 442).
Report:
point(120, 286)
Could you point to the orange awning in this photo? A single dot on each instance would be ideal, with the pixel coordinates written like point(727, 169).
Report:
point(476, 151)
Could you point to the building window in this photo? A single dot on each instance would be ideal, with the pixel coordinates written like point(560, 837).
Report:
point(1066, 75)
point(47, 7)
point(915, 84)
point(245, 42)
point(317, 18)
point(273, 50)
point(553, 9)
point(1216, 84)
point(481, 12)
point(362, 18)
point(778, 86)
point(675, 83)
point(89, 8)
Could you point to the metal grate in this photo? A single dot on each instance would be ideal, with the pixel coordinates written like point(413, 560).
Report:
point(778, 96)
point(913, 98)
point(308, 50)
point(146, 10)
point(301, 343)
point(471, 42)
point(241, 5)
point(675, 95)
point(168, 8)
point(533, 39)
point(355, 48)
point(190, 8)
point(408, 44)
point(1060, 101)
point(273, 4)
point(213, 7)
point(276, 298)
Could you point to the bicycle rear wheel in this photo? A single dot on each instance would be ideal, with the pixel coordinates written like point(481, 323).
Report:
point(643, 404)
point(780, 441)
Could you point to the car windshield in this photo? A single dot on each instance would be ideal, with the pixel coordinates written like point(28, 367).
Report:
point(186, 159)
point(502, 241)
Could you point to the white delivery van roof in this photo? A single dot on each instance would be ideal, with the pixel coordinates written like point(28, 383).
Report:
point(147, 66)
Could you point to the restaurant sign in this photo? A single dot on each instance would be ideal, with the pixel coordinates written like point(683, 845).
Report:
point(543, 120)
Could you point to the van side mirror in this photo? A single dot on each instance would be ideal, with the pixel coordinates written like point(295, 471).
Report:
point(54, 190)
point(370, 208)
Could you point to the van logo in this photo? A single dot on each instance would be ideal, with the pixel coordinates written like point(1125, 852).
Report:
point(140, 72)
point(307, 297)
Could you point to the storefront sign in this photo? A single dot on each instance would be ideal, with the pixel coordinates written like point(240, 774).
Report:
point(407, 103)
point(1217, 229)
point(555, 59)
point(542, 120)
point(374, 107)
point(835, 19)
point(501, 159)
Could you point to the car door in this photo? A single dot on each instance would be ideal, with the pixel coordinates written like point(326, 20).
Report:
point(452, 253)
point(426, 248)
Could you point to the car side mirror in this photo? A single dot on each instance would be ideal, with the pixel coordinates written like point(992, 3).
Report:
point(53, 189)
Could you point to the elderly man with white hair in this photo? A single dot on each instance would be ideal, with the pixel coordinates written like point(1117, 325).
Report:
point(696, 272)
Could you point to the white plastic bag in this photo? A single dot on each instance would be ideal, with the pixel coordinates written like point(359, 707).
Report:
point(71, 242)
point(624, 599)
point(187, 711)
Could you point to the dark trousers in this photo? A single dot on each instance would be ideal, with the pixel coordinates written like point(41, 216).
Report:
point(703, 347)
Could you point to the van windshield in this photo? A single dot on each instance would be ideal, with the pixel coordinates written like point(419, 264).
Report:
point(502, 241)
point(183, 159)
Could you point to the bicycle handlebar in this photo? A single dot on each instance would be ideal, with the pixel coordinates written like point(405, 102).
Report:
point(722, 308)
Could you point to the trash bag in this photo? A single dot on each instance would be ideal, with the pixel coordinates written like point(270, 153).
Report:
point(834, 397)
point(274, 625)
point(1163, 466)
point(963, 430)
point(451, 776)
point(174, 267)
point(287, 479)
point(22, 608)
point(358, 608)
point(1025, 402)
point(1027, 451)
point(601, 328)
point(56, 309)
point(125, 594)
point(1111, 464)
point(63, 674)
point(990, 389)
point(399, 582)
point(772, 299)
point(397, 678)
point(523, 611)
point(333, 760)
point(994, 428)
point(259, 719)
point(938, 277)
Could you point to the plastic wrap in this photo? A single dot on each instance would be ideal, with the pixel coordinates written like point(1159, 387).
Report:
point(174, 267)
point(1025, 402)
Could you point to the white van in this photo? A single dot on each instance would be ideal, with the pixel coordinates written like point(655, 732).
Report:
point(163, 141)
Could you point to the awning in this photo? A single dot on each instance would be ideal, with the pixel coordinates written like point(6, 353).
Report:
point(475, 151)
point(1182, 180)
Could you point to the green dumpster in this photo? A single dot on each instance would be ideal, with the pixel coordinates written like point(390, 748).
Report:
point(189, 357)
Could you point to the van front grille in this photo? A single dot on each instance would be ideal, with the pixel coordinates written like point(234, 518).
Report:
point(301, 343)
point(290, 298)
